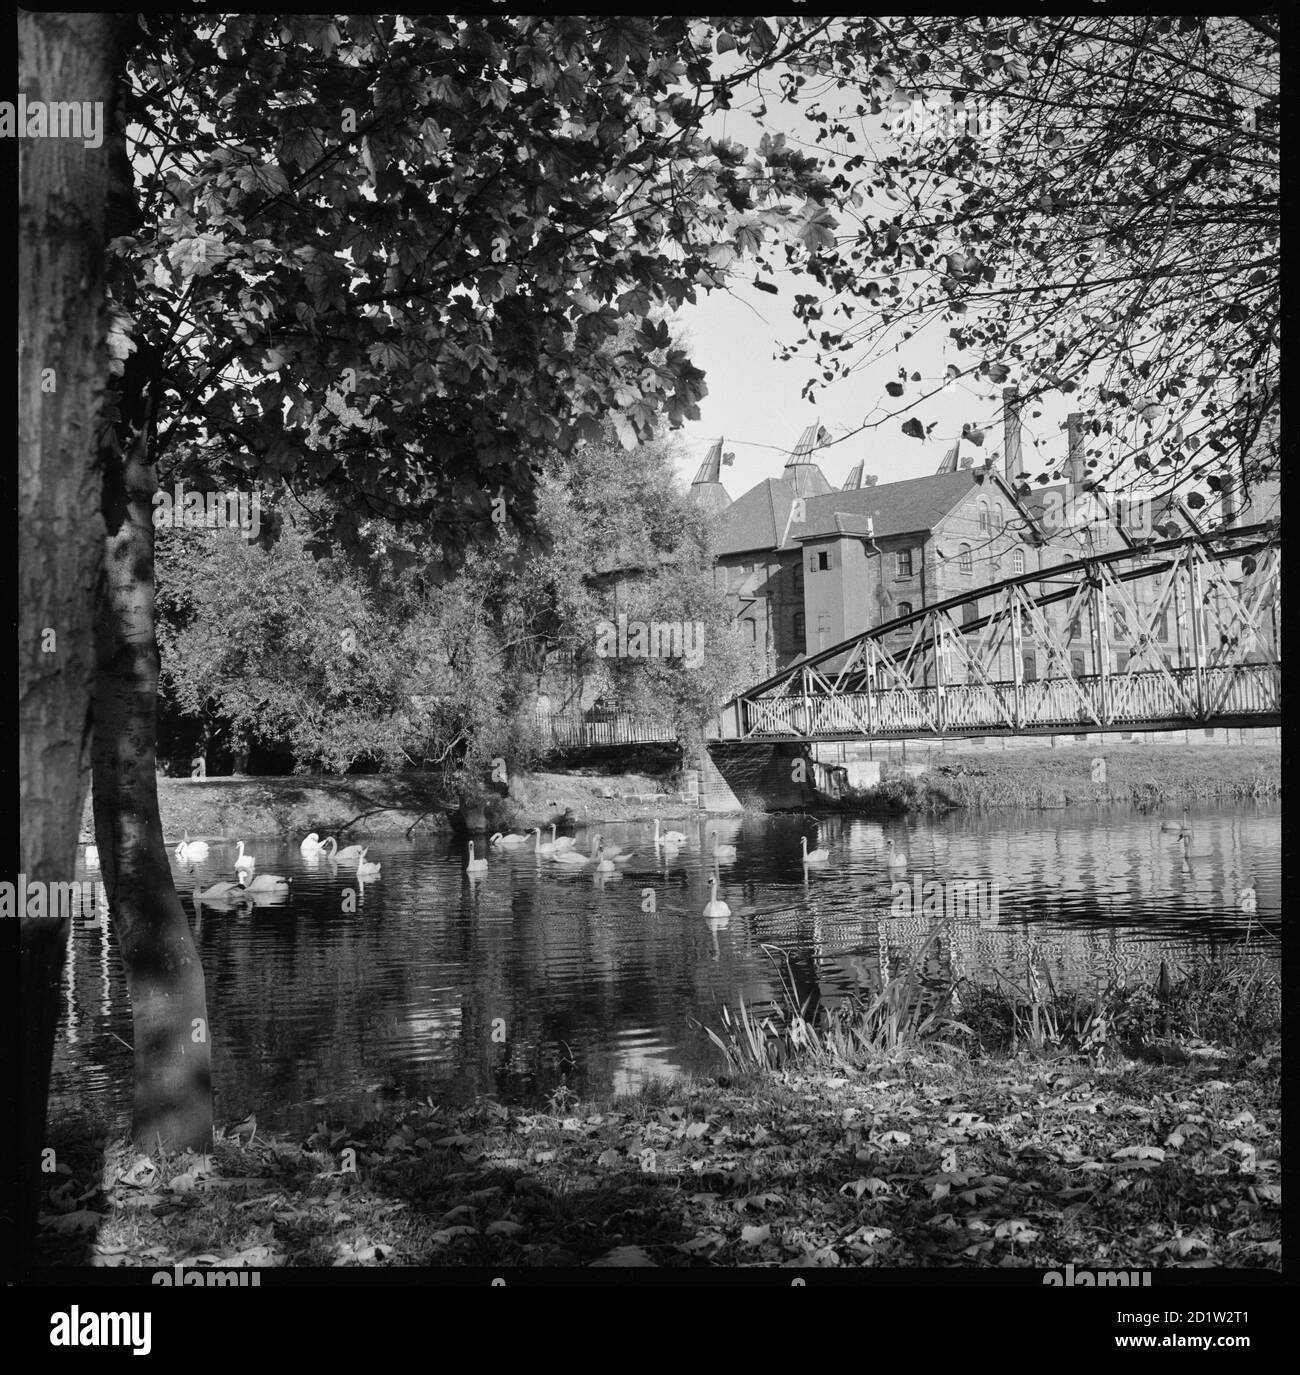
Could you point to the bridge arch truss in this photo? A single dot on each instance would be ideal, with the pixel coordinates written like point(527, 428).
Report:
point(1196, 620)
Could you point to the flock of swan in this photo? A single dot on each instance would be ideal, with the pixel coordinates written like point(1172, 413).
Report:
point(562, 850)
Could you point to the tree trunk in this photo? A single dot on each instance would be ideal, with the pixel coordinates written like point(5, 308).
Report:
point(62, 369)
point(173, 1060)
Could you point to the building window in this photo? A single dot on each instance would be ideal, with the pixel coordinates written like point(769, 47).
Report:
point(970, 612)
point(823, 561)
point(798, 575)
point(751, 630)
point(963, 558)
point(903, 563)
point(1031, 668)
point(1076, 664)
point(984, 517)
point(1122, 659)
point(1017, 562)
point(999, 519)
point(1076, 628)
point(904, 608)
point(799, 633)
point(1162, 625)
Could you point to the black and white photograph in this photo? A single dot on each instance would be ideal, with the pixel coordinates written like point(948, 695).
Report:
point(649, 655)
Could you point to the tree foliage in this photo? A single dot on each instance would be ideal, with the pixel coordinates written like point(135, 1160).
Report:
point(387, 255)
point(1088, 205)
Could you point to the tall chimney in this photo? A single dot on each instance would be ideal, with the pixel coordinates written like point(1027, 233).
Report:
point(1075, 465)
point(1228, 499)
point(1011, 432)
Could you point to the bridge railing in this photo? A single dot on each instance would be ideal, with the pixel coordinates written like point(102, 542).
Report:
point(1088, 701)
point(574, 730)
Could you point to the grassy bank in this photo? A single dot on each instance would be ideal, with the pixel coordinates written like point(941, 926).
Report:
point(980, 1127)
point(1140, 775)
point(389, 804)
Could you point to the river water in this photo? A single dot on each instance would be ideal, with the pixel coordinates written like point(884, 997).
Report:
point(427, 980)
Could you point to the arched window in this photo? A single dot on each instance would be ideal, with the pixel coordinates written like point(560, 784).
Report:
point(904, 609)
point(999, 519)
point(963, 558)
point(1017, 562)
point(984, 517)
point(800, 636)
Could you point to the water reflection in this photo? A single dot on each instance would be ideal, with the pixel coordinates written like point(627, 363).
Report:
point(500, 982)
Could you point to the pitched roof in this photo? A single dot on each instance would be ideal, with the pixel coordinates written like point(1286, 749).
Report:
point(758, 519)
point(755, 520)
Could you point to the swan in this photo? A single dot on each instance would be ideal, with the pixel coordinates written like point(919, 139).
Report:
point(668, 837)
point(1246, 900)
point(618, 856)
point(895, 858)
point(474, 866)
point(267, 883)
point(313, 845)
point(224, 891)
point(818, 856)
point(603, 865)
point(722, 851)
point(563, 843)
point(714, 908)
point(510, 841)
point(92, 856)
point(243, 861)
point(574, 857)
point(192, 849)
point(348, 855)
point(367, 868)
point(1184, 825)
point(541, 847)
point(1185, 840)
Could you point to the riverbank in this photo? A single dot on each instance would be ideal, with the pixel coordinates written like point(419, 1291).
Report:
point(923, 1158)
point(399, 803)
point(1147, 776)
point(1140, 775)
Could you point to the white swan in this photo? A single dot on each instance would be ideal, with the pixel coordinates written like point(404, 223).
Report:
point(189, 849)
point(812, 856)
point(1246, 900)
point(221, 892)
point(896, 859)
point(1184, 825)
point(563, 843)
point(367, 868)
point(618, 856)
point(349, 855)
point(573, 857)
point(267, 883)
point(92, 856)
point(1185, 840)
point(668, 837)
point(313, 845)
point(509, 841)
point(541, 847)
point(243, 861)
point(722, 851)
point(715, 908)
point(603, 865)
point(475, 866)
